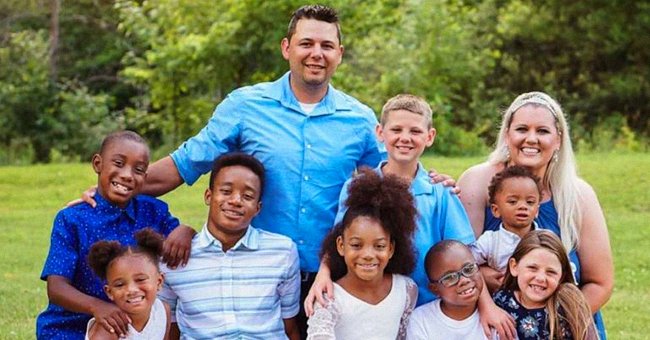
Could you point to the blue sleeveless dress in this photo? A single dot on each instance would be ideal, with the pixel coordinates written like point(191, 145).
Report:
point(547, 219)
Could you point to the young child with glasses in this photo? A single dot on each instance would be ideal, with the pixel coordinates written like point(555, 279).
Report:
point(455, 278)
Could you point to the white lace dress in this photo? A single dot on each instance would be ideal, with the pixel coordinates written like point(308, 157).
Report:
point(348, 317)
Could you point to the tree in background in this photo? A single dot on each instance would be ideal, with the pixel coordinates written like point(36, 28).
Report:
point(160, 67)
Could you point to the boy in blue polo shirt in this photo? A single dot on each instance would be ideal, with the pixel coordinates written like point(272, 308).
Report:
point(406, 130)
point(75, 294)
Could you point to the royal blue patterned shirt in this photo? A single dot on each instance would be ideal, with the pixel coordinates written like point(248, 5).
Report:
point(75, 229)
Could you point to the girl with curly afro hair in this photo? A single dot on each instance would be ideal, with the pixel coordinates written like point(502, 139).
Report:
point(369, 253)
point(132, 281)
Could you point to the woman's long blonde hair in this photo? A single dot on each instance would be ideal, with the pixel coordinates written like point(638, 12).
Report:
point(561, 176)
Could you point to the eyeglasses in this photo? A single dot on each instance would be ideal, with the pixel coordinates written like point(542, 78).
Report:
point(451, 279)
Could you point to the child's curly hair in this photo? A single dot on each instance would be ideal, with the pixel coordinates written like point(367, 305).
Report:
point(386, 199)
point(103, 253)
point(515, 171)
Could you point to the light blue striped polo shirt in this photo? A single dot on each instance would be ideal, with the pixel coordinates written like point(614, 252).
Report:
point(243, 293)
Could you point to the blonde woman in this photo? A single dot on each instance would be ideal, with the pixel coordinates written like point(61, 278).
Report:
point(534, 134)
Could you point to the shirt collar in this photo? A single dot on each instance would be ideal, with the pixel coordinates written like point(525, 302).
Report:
point(205, 240)
point(421, 184)
point(508, 232)
point(280, 90)
point(111, 208)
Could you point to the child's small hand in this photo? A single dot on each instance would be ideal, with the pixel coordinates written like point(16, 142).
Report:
point(493, 278)
point(177, 246)
point(322, 284)
point(446, 180)
point(87, 196)
point(111, 318)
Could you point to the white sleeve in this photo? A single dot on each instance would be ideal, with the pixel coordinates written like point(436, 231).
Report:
point(320, 326)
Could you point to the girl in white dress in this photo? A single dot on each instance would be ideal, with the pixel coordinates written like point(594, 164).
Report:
point(369, 253)
point(132, 281)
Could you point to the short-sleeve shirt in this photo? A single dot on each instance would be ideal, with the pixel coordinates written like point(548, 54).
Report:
point(495, 247)
point(441, 216)
point(307, 157)
point(429, 322)
point(242, 293)
point(75, 229)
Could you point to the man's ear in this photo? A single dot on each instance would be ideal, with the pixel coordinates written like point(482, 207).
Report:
point(97, 163)
point(284, 46)
point(207, 196)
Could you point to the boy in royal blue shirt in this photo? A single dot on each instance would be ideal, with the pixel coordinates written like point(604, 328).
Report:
point(75, 294)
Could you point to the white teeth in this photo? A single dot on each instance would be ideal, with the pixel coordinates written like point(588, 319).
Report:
point(137, 299)
point(467, 291)
point(530, 151)
point(120, 187)
point(232, 213)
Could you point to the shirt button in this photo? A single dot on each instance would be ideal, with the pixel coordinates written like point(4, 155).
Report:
point(301, 241)
point(308, 146)
point(303, 210)
point(306, 178)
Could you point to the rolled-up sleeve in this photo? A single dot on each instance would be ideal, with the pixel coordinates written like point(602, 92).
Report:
point(221, 135)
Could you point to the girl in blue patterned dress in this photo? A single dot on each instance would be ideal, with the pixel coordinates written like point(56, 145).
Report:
point(540, 294)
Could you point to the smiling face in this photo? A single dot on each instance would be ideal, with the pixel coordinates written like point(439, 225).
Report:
point(122, 169)
point(234, 200)
point(517, 203)
point(405, 135)
point(532, 138)
point(132, 283)
point(366, 248)
point(314, 52)
point(459, 300)
point(538, 274)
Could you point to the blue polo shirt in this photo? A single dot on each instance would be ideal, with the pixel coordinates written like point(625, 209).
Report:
point(307, 157)
point(75, 229)
point(441, 216)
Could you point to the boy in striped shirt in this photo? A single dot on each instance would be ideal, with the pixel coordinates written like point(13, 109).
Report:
point(240, 281)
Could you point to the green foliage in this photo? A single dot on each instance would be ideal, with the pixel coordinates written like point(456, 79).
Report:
point(160, 67)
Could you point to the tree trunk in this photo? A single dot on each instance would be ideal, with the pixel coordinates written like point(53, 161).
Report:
point(55, 5)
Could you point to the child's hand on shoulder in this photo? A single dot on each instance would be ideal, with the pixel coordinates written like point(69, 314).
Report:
point(112, 318)
point(177, 246)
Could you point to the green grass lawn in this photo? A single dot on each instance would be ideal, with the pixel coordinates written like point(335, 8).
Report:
point(30, 197)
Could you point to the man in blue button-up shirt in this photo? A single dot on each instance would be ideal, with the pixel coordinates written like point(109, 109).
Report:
point(309, 136)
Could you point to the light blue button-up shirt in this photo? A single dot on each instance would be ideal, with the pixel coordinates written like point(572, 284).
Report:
point(307, 157)
point(441, 216)
point(242, 293)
